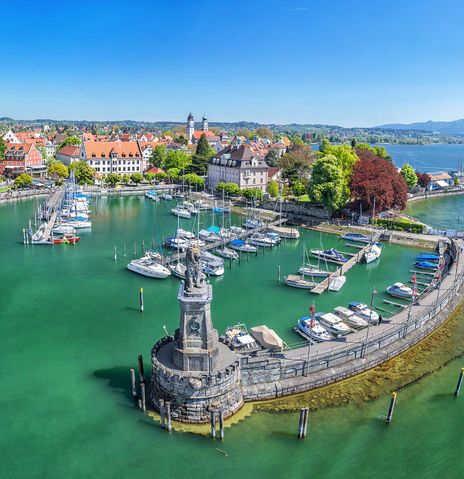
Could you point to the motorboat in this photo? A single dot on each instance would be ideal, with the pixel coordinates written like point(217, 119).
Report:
point(285, 232)
point(211, 259)
point(237, 230)
point(400, 290)
point(259, 239)
point(152, 195)
point(330, 255)
point(267, 338)
point(202, 205)
point(176, 243)
point(179, 270)
point(166, 197)
point(240, 339)
point(188, 235)
point(273, 236)
point(64, 229)
point(333, 323)
point(296, 281)
point(227, 253)
point(372, 253)
point(226, 234)
point(364, 312)
point(181, 212)
point(196, 242)
point(356, 237)
point(66, 240)
point(211, 234)
point(190, 207)
point(178, 196)
point(147, 266)
point(311, 329)
point(309, 270)
point(350, 317)
point(425, 265)
point(336, 283)
point(428, 257)
point(212, 269)
point(39, 234)
point(241, 245)
point(252, 224)
point(78, 224)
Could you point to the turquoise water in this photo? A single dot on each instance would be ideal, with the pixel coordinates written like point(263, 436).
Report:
point(71, 329)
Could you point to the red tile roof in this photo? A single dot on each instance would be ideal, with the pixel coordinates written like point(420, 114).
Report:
point(69, 150)
point(197, 134)
point(104, 149)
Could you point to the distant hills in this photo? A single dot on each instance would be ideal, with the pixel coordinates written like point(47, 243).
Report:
point(455, 127)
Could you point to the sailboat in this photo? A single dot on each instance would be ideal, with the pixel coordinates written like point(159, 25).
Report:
point(308, 269)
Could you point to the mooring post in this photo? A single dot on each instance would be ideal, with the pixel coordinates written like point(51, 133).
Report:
point(305, 424)
point(168, 415)
point(278, 274)
point(213, 424)
point(459, 384)
point(124, 249)
point(141, 300)
point(153, 244)
point(139, 402)
point(162, 413)
point(142, 392)
point(135, 249)
point(391, 408)
point(143, 247)
point(115, 253)
point(300, 423)
point(134, 388)
point(221, 424)
point(142, 378)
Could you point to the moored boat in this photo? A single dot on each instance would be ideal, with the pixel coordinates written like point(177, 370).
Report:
point(428, 257)
point(400, 290)
point(296, 281)
point(336, 283)
point(333, 323)
point(66, 240)
point(241, 245)
point(364, 312)
point(311, 329)
point(330, 255)
point(181, 212)
point(285, 232)
point(357, 237)
point(259, 239)
point(426, 265)
point(310, 270)
point(372, 253)
point(227, 253)
point(147, 266)
point(350, 318)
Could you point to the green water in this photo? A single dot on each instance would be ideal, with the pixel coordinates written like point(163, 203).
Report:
point(71, 329)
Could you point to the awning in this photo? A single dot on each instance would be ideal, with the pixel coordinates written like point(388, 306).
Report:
point(267, 337)
point(441, 183)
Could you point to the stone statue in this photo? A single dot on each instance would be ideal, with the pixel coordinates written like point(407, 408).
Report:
point(193, 276)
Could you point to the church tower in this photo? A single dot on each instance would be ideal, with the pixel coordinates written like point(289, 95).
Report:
point(204, 123)
point(190, 127)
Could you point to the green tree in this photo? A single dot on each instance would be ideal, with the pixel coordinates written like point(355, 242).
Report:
point(456, 181)
point(246, 132)
point(193, 180)
point(181, 140)
point(252, 194)
point(298, 188)
point(112, 179)
point(173, 174)
point(296, 163)
point(83, 172)
point(58, 169)
point(264, 132)
point(136, 178)
point(70, 140)
point(229, 189)
point(125, 179)
point(23, 181)
point(273, 188)
point(149, 177)
point(161, 176)
point(177, 159)
point(353, 143)
point(271, 158)
point(158, 156)
point(203, 148)
point(409, 175)
point(2, 149)
point(329, 184)
point(377, 150)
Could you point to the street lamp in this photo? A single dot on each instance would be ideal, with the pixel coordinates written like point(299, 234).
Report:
point(312, 310)
point(374, 292)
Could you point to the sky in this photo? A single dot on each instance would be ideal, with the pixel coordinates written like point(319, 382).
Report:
point(343, 62)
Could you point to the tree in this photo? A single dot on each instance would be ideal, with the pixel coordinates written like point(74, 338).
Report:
point(264, 132)
point(329, 184)
point(271, 158)
point(177, 159)
point(377, 178)
point(70, 140)
point(58, 169)
point(161, 176)
point(296, 163)
point(112, 179)
point(2, 149)
point(456, 181)
point(125, 179)
point(229, 189)
point(181, 140)
point(345, 155)
point(158, 156)
point(273, 188)
point(246, 132)
point(23, 181)
point(199, 165)
point(379, 151)
point(173, 173)
point(298, 188)
point(423, 179)
point(353, 143)
point(409, 175)
point(203, 148)
point(252, 194)
point(136, 178)
point(193, 180)
point(149, 177)
point(83, 172)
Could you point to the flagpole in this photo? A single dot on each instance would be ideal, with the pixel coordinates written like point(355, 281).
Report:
point(312, 310)
point(374, 292)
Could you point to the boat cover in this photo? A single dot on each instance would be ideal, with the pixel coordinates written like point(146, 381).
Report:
point(214, 229)
point(267, 337)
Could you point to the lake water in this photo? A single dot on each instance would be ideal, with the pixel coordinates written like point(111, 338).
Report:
point(71, 330)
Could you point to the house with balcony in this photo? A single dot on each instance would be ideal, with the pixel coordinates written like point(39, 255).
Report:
point(22, 158)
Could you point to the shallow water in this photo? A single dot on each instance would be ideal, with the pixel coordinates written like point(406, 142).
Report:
point(71, 329)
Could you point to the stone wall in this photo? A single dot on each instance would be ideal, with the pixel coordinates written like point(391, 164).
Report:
point(299, 212)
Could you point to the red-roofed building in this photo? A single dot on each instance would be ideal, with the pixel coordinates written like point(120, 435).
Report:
point(21, 158)
point(68, 154)
point(154, 170)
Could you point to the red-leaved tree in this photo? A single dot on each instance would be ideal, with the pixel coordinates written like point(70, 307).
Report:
point(423, 179)
point(375, 177)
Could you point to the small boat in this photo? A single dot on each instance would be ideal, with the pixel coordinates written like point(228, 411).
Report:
point(372, 253)
point(237, 230)
point(311, 329)
point(178, 196)
point(211, 234)
point(190, 207)
point(296, 281)
point(240, 338)
point(336, 283)
point(227, 234)
point(181, 212)
point(196, 242)
point(166, 197)
point(147, 266)
point(357, 237)
point(252, 224)
point(212, 269)
point(259, 239)
point(152, 195)
point(425, 265)
point(273, 236)
point(400, 290)
point(78, 224)
point(333, 323)
point(350, 317)
point(39, 234)
point(428, 257)
point(180, 233)
point(211, 259)
point(364, 312)
point(176, 243)
point(240, 245)
point(331, 255)
point(66, 240)
point(178, 270)
point(227, 253)
point(202, 205)
point(63, 229)
point(267, 338)
point(285, 232)
point(309, 270)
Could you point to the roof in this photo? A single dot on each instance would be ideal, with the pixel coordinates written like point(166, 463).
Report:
point(197, 134)
point(441, 175)
point(16, 147)
point(441, 183)
point(69, 150)
point(104, 149)
point(238, 156)
point(154, 170)
point(273, 170)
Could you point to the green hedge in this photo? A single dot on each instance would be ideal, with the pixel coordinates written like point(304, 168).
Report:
point(399, 225)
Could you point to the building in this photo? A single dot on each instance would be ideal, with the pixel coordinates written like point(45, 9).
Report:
point(239, 164)
point(122, 157)
point(68, 154)
point(22, 158)
point(439, 180)
point(10, 137)
point(192, 135)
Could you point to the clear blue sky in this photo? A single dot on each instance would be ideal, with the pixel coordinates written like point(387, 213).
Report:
point(346, 62)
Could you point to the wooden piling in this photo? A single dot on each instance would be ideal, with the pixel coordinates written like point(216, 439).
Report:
point(213, 424)
point(459, 384)
point(162, 413)
point(300, 423)
point(142, 392)
point(139, 403)
point(141, 300)
point(168, 415)
point(135, 249)
point(134, 388)
point(391, 408)
point(115, 253)
point(143, 247)
point(278, 274)
point(141, 373)
point(305, 423)
point(221, 424)
point(124, 249)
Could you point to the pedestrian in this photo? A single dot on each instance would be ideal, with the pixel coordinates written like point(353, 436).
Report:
point(380, 319)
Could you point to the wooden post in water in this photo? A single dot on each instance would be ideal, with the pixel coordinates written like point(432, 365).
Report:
point(305, 423)
point(459, 384)
point(153, 244)
point(141, 373)
point(300, 423)
point(278, 274)
point(143, 247)
point(213, 424)
point(168, 416)
point(124, 249)
point(142, 391)
point(391, 408)
point(134, 389)
point(115, 253)
point(162, 411)
point(135, 249)
point(221, 424)
point(141, 300)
